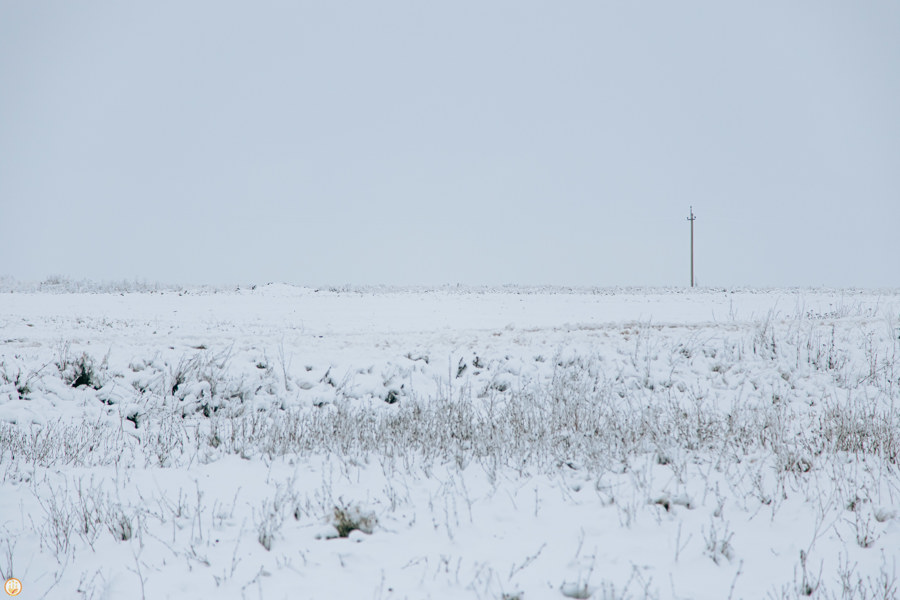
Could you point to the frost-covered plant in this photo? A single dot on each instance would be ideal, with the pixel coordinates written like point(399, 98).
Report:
point(81, 370)
point(865, 534)
point(20, 383)
point(347, 518)
point(718, 542)
point(204, 384)
point(84, 373)
point(267, 530)
point(119, 524)
point(59, 526)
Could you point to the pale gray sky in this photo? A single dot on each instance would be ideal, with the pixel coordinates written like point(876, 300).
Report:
point(441, 142)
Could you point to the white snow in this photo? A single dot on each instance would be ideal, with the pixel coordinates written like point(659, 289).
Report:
point(286, 442)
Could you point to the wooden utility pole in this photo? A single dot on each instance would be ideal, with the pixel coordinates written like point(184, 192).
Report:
point(692, 218)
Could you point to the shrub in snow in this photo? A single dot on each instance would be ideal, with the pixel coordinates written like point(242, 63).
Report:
point(351, 518)
point(79, 371)
point(21, 385)
point(718, 543)
point(119, 525)
point(266, 535)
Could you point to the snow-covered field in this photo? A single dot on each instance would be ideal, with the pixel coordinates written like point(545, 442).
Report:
point(284, 442)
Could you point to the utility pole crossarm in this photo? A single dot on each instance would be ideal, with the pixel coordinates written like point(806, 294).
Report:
point(692, 218)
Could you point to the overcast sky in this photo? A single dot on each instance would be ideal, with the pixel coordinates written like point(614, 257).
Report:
point(477, 141)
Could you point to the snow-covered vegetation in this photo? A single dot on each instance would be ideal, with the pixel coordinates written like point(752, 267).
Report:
point(509, 443)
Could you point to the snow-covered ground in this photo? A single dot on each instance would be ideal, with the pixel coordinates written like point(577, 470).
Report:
point(285, 442)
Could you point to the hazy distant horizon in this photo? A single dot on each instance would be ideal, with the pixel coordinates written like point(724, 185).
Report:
point(63, 284)
point(483, 144)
